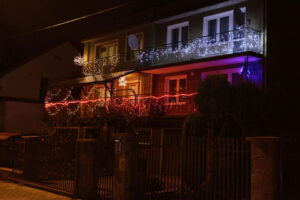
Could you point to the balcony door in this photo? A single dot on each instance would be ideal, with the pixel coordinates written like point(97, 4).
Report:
point(175, 86)
point(217, 26)
point(106, 54)
point(178, 35)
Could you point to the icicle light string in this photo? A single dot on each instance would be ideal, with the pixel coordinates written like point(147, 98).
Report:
point(239, 40)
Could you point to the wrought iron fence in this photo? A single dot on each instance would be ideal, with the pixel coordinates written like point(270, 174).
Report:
point(55, 166)
point(199, 168)
point(105, 169)
point(12, 154)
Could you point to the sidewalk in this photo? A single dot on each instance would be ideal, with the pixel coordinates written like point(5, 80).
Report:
point(13, 191)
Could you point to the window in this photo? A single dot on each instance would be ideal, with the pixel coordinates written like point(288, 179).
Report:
point(131, 54)
point(176, 85)
point(229, 74)
point(43, 88)
point(132, 90)
point(178, 35)
point(106, 53)
point(217, 26)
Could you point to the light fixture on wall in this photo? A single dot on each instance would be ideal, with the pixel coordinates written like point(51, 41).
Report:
point(122, 81)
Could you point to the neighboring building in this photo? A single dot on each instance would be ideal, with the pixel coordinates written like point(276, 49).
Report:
point(159, 78)
point(23, 90)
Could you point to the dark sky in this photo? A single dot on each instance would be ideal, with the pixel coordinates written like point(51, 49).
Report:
point(19, 20)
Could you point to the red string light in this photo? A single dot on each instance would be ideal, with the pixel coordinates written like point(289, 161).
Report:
point(66, 103)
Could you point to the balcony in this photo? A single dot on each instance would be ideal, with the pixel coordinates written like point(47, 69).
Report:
point(236, 41)
point(231, 42)
point(128, 105)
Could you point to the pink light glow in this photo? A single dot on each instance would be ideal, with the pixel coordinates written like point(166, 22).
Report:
point(202, 65)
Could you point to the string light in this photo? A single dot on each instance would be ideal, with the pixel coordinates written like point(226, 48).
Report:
point(122, 81)
point(139, 105)
point(97, 66)
point(239, 40)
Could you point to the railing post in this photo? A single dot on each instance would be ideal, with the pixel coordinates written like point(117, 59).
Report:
point(265, 168)
point(85, 169)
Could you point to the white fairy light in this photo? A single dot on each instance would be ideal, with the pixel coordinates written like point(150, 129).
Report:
point(122, 81)
point(240, 40)
point(78, 60)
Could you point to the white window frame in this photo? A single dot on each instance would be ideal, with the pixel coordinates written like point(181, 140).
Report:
point(217, 17)
point(167, 86)
point(174, 26)
point(228, 72)
point(108, 43)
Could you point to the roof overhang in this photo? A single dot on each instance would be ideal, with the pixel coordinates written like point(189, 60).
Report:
point(200, 10)
point(204, 64)
point(5, 136)
point(92, 79)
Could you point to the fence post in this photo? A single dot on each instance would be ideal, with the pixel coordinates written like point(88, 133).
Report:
point(265, 168)
point(30, 157)
point(125, 167)
point(85, 169)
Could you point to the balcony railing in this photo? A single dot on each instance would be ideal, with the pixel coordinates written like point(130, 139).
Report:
point(104, 65)
point(141, 105)
point(235, 41)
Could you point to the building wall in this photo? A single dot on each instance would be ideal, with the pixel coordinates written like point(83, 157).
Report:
point(193, 78)
point(22, 107)
point(55, 65)
point(195, 24)
point(24, 117)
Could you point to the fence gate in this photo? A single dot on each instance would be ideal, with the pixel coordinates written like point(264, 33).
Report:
point(105, 169)
point(55, 166)
point(216, 168)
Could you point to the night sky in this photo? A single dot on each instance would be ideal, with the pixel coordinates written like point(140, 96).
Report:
point(21, 20)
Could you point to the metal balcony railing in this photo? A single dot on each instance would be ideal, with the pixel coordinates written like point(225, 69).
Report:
point(104, 65)
point(126, 102)
point(235, 41)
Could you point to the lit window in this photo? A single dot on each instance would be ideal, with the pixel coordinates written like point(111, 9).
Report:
point(175, 86)
point(132, 90)
point(132, 54)
point(106, 53)
point(229, 74)
point(178, 35)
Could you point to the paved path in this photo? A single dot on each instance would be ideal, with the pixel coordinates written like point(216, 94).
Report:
point(13, 191)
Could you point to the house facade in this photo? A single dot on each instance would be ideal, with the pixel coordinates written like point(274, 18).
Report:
point(153, 69)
